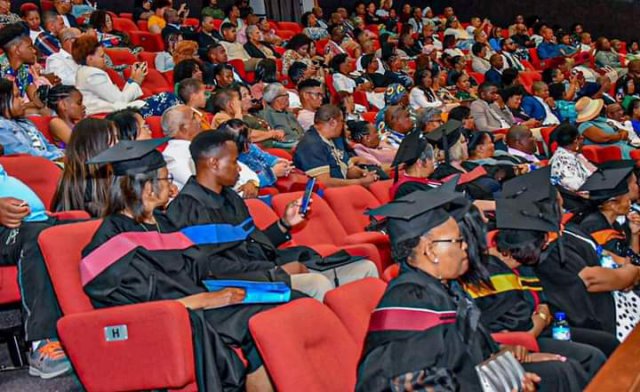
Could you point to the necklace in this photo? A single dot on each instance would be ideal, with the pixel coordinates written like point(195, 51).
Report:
point(145, 227)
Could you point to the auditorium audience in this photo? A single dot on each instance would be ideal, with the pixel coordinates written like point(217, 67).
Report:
point(66, 103)
point(130, 125)
point(62, 63)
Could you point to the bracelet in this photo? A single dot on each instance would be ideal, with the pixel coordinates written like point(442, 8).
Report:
point(285, 224)
point(542, 316)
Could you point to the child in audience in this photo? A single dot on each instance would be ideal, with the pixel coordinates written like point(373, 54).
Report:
point(65, 103)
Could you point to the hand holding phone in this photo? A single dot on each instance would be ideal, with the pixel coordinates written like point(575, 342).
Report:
point(306, 198)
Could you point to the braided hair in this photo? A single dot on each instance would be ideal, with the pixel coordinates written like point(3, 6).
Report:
point(51, 96)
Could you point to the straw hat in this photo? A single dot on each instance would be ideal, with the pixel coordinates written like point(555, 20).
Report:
point(588, 108)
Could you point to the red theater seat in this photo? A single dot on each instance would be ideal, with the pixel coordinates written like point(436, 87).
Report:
point(291, 26)
point(354, 302)
point(154, 81)
point(121, 56)
point(150, 58)
point(305, 347)
point(380, 190)
point(157, 352)
point(150, 42)
point(598, 154)
point(155, 125)
point(322, 227)
point(125, 25)
point(42, 123)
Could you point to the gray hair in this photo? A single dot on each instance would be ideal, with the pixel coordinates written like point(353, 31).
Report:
point(173, 118)
point(251, 29)
point(69, 33)
point(272, 91)
point(426, 115)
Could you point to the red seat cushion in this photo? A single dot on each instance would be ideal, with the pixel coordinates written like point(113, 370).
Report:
point(380, 190)
point(349, 203)
point(40, 174)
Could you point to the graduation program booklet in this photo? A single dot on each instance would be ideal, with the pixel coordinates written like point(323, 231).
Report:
point(256, 292)
point(501, 373)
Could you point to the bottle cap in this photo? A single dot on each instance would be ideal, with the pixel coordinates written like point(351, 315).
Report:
point(559, 316)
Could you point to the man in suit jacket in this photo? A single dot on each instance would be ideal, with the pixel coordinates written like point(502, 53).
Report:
point(494, 74)
point(539, 105)
point(488, 115)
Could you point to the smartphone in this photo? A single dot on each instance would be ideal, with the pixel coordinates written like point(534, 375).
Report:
point(306, 199)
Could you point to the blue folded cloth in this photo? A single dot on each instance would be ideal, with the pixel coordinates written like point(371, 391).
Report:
point(256, 292)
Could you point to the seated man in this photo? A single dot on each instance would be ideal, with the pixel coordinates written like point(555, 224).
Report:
point(494, 74)
point(217, 54)
point(322, 154)
point(540, 105)
point(310, 91)
point(61, 64)
point(485, 111)
point(521, 145)
point(182, 125)
point(22, 218)
point(47, 42)
point(235, 49)
point(276, 113)
point(207, 198)
point(548, 49)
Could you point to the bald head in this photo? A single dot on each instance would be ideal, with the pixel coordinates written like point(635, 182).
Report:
point(521, 138)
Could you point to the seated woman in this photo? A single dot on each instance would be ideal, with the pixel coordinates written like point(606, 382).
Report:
point(192, 92)
point(83, 186)
point(130, 125)
point(573, 270)
point(164, 60)
point(463, 90)
point(311, 28)
point(101, 95)
point(423, 95)
point(18, 135)
point(299, 50)
point(141, 188)
point(369, 146)
point(107, 36)
point(514, 301)
point(432, 250)
point(418, 158)
point(188, 69)
point(261, 132)
point(479, 62)
point(569, 168)
point(482, 152)
point(478, 185)
point(66, 104)
point(268, 167)
point(512, 98)
point(256, 47)
point(593, 126)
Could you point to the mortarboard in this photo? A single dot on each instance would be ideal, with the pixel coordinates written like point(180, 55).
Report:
point(130, 157)
point(604, 184)
point(446, 136)
point(533, 186)
point(416, 213)
point(410, 148)
point(527, 215)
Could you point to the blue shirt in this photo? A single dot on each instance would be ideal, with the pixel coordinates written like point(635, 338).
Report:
point(260, 162)
point(22, 137)
point(548, 50)
point(12, 187)
point(316, 155)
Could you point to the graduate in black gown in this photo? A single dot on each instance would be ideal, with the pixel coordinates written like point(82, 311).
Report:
point(208, 198)
point(137, 255)
point(572, 277)
point(477, 183)
point(426, 332)
point(516, 302)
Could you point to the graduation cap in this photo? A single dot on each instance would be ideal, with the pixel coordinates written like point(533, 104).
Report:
point(605, 184)
point(535, 186)
point(527, 215)
point(130, 157)
point(446, 136)
point(415, 214)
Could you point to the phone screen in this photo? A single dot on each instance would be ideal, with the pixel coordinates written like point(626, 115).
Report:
point(306, 199)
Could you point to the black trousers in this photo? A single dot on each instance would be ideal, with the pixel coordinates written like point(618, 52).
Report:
point(590, 358)
point(40, 309)
point(603, 341)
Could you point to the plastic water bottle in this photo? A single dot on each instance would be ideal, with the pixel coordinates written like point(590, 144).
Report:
point(560, 329)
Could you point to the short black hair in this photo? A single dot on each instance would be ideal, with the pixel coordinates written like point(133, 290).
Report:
point(296, 71)
point(308, 83)
point(207, 142)
point(565, 134)
point(227, 26)
point(477, 48)
point(337, 61)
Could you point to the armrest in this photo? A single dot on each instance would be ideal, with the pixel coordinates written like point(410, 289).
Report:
point(70, 215)
point(150, 346)
point(367, 237)
point(517, 338)
point(368, 251)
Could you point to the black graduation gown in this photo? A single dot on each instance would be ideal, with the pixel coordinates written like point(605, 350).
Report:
point(509, 305)
point(565, 290)
point(451, 349)
point(498, 172)
point(614, 238)
point(142, 275)
point(482, 188)
point(412, 186)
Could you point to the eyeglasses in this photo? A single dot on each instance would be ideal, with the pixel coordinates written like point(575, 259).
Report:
point(314, 94)
point(458, 240)
point(167, 178)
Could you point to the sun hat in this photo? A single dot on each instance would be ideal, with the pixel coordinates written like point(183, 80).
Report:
point(588, 109)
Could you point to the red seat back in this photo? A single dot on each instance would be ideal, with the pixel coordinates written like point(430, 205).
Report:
point(350, 203)
point(42, 123)
point(155, 124)
point(380, 190)
point(292, 26)
point(321, 226)
point(124, 25)
point(305, 347)
point(149, 57)
point(262, 214)
point(115, 77)
point(599, 154)
point(354, 302)
point(121, 56)
point(546, 136)
point(150, 42)
point(62, 257)
point(40, 174)
point(391, 272)
point(479, 78)
point(154, 81)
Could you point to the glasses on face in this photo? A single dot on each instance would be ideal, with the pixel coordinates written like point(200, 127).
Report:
point(315, 94)
point(458, 240)
point(168, 178)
